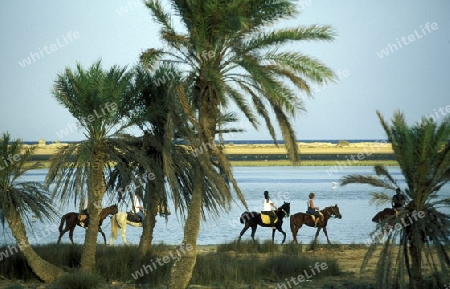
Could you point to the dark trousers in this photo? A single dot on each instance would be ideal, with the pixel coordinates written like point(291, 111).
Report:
point(141, 215)
point(272, 216)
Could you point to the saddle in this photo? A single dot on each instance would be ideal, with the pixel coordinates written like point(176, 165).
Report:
point(313, 217)
point(132, 217)
point(265, 218)
point(82, 218)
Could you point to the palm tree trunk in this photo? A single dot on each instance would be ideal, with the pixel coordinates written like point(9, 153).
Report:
point(46, 271)
point(183, 267)
point(416, 280)
point(151, 202)
point(96, 190)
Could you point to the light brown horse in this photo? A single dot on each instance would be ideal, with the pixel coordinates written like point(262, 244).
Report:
point(300, 219)
point(72, 220)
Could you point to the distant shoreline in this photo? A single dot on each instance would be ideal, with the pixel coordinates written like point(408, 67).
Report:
point(311, 153)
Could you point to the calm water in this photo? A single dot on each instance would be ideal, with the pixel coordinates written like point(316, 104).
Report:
point(284, 184)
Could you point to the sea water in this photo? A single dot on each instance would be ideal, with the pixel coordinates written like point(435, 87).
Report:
point(285, 184)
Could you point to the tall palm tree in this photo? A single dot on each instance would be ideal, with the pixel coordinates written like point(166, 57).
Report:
point(98, 99)
point(164, 130)
point(20, 200)
point(228, 53)
point(422, 229)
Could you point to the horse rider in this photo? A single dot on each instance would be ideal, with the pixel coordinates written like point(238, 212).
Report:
point(313, 210)
point(83, 215)
point(138, 208)
point(398, 200)
point(267, 208)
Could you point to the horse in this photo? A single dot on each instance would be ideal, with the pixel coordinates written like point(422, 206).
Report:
point(121, 219)
point(72, 219)
point(253, 219)
point(298, 219)
point(386, 214)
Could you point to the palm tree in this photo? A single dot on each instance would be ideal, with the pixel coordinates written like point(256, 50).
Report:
point(20, 200)
point(98, 99)
point(422, 229)
point(228, 53)
point(163, 127)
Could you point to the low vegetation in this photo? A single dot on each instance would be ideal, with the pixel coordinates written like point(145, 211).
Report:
point(238, 263)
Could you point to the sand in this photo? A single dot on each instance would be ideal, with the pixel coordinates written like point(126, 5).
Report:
point(305, 148)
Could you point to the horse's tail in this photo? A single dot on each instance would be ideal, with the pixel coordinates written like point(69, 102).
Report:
point(294, 221)
point(63, 220)
point(114, 227)
point(241, 219)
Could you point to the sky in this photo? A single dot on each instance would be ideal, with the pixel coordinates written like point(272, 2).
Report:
point(388, 55)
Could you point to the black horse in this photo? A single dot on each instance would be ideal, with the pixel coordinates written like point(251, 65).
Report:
point(253, 219)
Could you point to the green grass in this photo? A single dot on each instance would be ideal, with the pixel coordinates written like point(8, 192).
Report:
point(244, 262)
point(79, 280)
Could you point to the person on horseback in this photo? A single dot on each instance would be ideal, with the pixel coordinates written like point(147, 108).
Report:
point(138, 208)
point(313, 210)
point(83, 215)
point(398, 200)
point(267, 208)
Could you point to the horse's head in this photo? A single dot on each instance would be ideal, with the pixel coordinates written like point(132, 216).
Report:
point(335, 212)
point(285, 208)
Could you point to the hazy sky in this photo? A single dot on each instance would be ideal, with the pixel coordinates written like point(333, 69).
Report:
point(390, 55)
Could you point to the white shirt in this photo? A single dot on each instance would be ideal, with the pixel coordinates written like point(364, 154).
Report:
point(137, 203)
point(266, 205)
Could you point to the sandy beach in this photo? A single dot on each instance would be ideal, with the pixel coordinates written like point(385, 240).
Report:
point(305, 148)
point(313, 148)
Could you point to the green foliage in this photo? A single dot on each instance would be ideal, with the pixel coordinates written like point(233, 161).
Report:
point(265, 262)
point(14, 286)
point(24, 198)
point(423, 154)
point(79, 280)
point(218, 268)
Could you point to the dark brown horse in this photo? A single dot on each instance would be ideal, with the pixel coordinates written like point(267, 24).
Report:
point(253, 219)
point(386, 214)
point(300, 219)
point(72, 219)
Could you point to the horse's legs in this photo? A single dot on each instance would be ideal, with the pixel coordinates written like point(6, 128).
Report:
point(326, 234)
point(243, 230)
point(317, 233)
point(71, 234)
point(283, 232)
point(294, 230)
point(253, 232)
point(62, 232)
point(124, 232)
point(103, 234)
point(60, 236)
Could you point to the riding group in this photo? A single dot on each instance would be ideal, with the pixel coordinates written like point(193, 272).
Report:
point(120, 220)
point(312, 217)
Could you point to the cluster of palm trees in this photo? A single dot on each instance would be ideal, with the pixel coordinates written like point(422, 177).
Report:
point(245, 67)
point(187, 110)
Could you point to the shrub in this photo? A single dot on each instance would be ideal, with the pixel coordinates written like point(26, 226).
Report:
point(79, 280)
